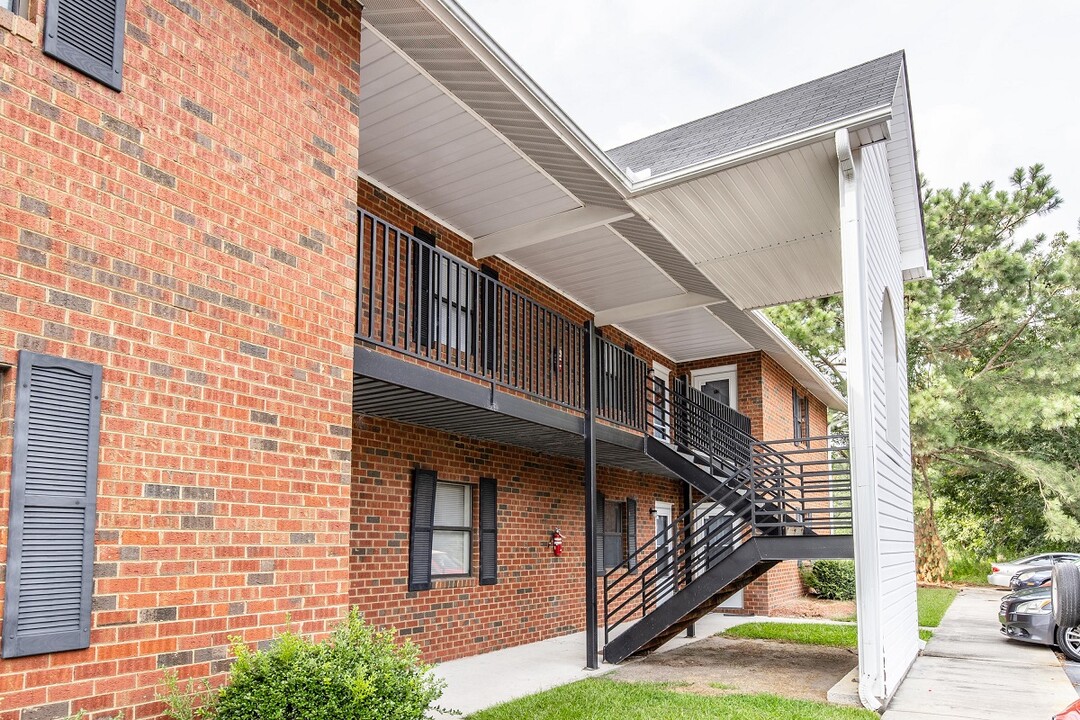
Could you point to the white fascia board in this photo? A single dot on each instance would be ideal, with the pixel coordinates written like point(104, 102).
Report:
point(499, 62)
point(652, 308)
point(548, 228)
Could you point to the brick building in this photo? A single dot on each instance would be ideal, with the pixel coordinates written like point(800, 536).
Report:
point(242, 383)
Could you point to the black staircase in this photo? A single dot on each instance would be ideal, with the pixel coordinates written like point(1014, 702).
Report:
point(761, 503)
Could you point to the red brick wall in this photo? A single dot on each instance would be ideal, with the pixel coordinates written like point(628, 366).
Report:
point(538, 596)
point(193, 236)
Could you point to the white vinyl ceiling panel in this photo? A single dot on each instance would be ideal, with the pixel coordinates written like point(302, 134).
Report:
point(774, 276)
point(751, 228)
point(688, 335)
point(417, 140)
point(596, 267)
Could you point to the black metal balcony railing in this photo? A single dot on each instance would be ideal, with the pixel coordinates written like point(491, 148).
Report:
point(685, 416)
point(422, 301)
point(806, 490)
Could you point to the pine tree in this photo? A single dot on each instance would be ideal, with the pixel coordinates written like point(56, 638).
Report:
point(993, 366)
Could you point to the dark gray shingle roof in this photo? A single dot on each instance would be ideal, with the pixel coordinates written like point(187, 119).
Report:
point(790, 111)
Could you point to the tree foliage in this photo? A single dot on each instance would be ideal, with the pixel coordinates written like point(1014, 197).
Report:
point(993, 364)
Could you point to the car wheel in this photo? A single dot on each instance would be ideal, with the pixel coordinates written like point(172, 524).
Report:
point(1065, 594)
point(1068, 641)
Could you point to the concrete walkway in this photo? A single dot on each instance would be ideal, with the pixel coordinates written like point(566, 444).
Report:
point(968, 670)
point(481, 681)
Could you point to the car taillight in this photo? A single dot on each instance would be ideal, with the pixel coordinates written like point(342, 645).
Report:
point(994, 569)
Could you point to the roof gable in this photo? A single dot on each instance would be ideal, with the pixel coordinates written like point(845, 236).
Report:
point(818, 102)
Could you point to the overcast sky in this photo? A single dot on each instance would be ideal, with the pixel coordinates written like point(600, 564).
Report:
point(994, 83)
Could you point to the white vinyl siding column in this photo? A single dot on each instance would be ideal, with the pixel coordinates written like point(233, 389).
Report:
point(881, 469)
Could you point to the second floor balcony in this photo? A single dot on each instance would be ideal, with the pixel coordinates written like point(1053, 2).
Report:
point(444, 344)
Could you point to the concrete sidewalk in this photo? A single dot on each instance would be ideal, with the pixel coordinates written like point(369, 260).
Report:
point(481, 681)
point(968, 670)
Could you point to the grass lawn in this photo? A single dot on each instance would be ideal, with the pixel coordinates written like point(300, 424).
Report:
point(841, 636)
point(932, 601)
point(601, 699)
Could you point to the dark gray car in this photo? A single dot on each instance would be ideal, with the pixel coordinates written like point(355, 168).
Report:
point(1028, 615)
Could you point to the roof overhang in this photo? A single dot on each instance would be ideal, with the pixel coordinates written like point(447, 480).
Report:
point(763, 223)
point(452, 126)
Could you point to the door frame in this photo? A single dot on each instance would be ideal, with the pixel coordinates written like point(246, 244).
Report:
point(698, 378)
point(667, 509)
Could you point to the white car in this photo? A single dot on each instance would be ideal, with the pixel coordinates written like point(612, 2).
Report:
point(1001, 573)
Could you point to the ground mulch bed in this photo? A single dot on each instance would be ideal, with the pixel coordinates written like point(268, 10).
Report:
point(717, 665)
point(812, 607)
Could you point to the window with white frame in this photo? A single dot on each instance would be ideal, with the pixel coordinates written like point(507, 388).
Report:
point(451, 546)
point(454, 295)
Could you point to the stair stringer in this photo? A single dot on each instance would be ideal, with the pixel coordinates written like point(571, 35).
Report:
point(709, 589)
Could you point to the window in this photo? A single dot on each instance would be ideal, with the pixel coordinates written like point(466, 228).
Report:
point(454, 298)
point(15, 6)
point(441, 530)
point(451, 546)
point(446, 293)
point(614, 538)
point(800, 415)
point(616, 533)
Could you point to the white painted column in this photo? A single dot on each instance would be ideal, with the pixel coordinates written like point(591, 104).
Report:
point(880, 468)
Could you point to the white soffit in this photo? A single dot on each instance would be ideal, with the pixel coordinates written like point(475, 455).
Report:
point(423, 144)
point(596, 267)
point(688, 335)
point(766, 232)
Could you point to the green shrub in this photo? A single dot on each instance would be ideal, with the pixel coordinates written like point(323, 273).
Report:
point(358, 673)
point(833, 579)
point(965, 567)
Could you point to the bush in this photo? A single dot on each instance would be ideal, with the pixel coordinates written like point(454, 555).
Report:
point(356, 674)
point(966, 568)
point(833, 579)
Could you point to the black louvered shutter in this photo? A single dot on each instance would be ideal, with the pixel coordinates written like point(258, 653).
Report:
point(420, 530)
point(53, 502)
point(87, 35)
point(489, 299)
point(796, 426)
point(631, 534)
point(425, 291)
point(600, 533)
point(489, 526)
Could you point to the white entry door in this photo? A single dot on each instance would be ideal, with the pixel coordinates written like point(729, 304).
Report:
point(716, 517)
point(665, 549)
point(721, 383)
